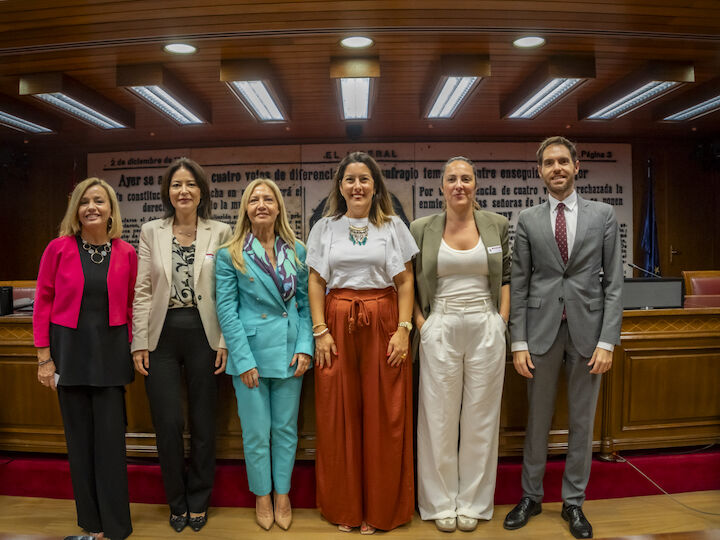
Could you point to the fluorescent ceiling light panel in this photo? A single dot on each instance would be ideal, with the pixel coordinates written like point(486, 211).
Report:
point(355, 85)
point(255, 95)
point(637, 89)
point(15, 122)
point(550, 83)
point(451, 96)
point(697, 111)
point(633, 100)
point(83, 112)
point(158, 87)
point(253, 82)
point(458, 77)
point(546, 96)
point(161, 100)
point(699, 101)
point(355, 94)
point(75, 99)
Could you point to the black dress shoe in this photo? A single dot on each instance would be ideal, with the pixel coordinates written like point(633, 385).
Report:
point(178, 523)
point(579, 525)
point(198, 522)
point(79, 537)
point(521, 514)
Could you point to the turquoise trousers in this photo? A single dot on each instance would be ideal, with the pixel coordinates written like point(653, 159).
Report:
point(268, 416)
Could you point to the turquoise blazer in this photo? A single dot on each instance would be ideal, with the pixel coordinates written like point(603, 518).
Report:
point(261, 330)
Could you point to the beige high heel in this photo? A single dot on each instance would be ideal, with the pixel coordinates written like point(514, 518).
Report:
point(283, 516)
point(263, 514)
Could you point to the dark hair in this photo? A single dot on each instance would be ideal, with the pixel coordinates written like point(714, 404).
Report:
point(203, 209)
point(380, 209)
point(556, 140)
point(458, 158)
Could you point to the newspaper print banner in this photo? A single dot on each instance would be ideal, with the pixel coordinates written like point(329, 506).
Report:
point(507, 181)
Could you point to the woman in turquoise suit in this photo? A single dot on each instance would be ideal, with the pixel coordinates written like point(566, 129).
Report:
point(262, 304)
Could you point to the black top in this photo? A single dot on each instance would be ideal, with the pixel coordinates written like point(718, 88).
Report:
point(94, 354)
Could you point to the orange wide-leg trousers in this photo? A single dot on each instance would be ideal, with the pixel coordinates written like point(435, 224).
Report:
point(363, 411)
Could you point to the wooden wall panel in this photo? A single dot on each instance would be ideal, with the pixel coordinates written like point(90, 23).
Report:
point(661, 392)
point(662, 389)
point(670, 386)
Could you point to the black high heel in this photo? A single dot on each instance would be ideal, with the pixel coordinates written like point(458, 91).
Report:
point(198, 522)
point(178, 523)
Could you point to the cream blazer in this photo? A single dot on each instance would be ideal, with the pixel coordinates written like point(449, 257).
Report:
point(152, 288)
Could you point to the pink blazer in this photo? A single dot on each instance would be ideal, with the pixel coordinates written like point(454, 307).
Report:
point(61, 281)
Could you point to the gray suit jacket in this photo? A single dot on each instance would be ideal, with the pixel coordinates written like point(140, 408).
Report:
point(542, 285)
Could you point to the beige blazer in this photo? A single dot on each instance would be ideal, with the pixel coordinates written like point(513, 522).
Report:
point(428, 232)
point(152, 288)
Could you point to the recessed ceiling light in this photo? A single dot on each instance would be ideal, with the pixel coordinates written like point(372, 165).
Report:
point(529, 42)
point(179, 48)
point(356, 42)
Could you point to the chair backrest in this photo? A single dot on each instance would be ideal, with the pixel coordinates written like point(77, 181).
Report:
point(701, 281)
point(702, 300)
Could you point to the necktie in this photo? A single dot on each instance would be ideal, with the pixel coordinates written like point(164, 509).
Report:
point(561, 232)
point(561, 239)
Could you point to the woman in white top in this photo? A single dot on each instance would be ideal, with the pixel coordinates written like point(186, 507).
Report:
point(361, 252)
point(462, 306)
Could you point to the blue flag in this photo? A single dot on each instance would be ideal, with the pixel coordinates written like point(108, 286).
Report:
point(649, 240)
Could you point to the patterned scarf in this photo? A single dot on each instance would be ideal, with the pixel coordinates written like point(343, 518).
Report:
point(285, 277)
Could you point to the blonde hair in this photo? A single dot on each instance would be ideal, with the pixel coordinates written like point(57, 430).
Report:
point(70, 225)
point(380, 207)
point(243, 226)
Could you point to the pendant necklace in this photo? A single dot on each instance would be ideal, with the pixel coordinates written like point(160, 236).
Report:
point(359, 235)
point(97, 253)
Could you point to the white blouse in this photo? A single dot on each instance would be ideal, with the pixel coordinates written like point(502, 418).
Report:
point(347, 265)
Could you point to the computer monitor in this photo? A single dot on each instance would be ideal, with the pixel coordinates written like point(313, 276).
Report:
point(653, 293)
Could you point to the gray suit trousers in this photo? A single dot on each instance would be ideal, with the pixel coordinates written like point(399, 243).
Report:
point(583, 389)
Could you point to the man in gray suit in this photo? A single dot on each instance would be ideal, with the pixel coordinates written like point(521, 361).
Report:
point(565, 313)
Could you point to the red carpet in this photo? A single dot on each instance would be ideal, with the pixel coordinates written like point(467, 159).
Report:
point(43, 476)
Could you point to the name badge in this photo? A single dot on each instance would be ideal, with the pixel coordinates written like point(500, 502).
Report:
point(209, 256)
point(494, 249)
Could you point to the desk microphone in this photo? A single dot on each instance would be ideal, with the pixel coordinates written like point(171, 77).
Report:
point(636, 267)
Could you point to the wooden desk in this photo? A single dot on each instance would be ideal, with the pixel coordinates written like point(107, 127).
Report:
point(662, 391)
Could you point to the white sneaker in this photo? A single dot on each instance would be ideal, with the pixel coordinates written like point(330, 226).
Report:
point(466, 524)
point(446, 524)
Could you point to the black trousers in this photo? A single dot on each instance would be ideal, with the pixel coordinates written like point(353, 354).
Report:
point(184, 355)
point(94, 419)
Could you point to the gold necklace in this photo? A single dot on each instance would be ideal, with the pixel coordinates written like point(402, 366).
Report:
point(100, 251)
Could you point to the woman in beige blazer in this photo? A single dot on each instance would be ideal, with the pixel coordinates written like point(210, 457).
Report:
point(462, 277)
point(176, 336)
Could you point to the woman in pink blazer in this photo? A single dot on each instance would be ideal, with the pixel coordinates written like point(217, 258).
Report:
point(81, 326)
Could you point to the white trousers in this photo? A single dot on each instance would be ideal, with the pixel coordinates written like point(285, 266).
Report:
point(462, 368)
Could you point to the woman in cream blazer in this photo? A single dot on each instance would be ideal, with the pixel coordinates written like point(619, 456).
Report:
point(176, 337)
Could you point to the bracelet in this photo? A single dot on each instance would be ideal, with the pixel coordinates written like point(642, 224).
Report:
point(45, 362)
point(318, 334)
point(318, 324)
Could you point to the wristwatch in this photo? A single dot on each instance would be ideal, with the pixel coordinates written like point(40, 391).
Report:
point(406, 324)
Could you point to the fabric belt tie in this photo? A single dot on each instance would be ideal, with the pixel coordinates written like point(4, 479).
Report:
point(358, 315)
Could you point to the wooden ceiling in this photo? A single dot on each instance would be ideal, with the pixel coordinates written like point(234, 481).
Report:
point(87, 39)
